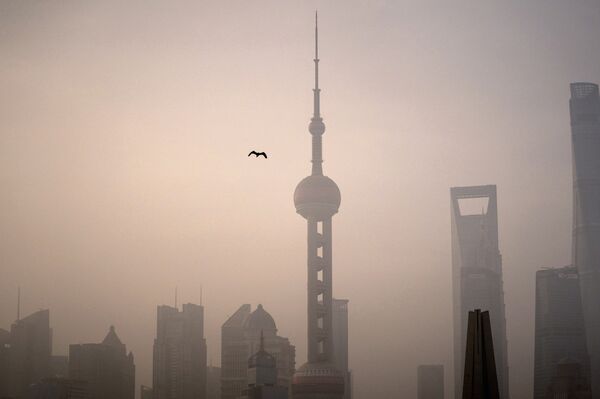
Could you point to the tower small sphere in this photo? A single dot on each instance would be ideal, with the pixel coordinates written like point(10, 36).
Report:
point(316, 126)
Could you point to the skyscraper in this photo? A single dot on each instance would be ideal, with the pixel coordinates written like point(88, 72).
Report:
point(179, 360)
point(262, 376)
point(317, 198)
point(559, 329)
point(480, 378)
point(585, 138)
point(430, 381)
point(106, 367)
point(240, 338)
point(477, 275)
point(4, 362)
point(146, 392)
point(340, 342)
point(29, 353)
point(569, 381)
point(213, 382)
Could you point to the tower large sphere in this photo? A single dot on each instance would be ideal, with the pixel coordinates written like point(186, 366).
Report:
point(317, 197)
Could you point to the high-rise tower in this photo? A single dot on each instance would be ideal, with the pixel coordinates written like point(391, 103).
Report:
point(340, 343)
point(179, 359)
point(559, 328)
point(241, 335)
point(106, 367)
point(317, 198)
point(477, 276)
point(585, 136)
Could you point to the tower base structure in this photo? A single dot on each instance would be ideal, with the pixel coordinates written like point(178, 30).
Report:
point(318, 381)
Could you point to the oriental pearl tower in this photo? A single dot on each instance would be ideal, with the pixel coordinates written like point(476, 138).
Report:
point(317, 198)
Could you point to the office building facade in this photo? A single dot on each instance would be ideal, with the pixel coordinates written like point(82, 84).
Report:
point(179, 358)
point(559, 328)
point(107, 368)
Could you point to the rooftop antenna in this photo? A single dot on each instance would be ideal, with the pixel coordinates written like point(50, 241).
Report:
point(18, 303)
point(201, 293)
point(176, 298)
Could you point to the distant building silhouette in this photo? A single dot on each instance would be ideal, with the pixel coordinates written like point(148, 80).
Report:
point(477, 276)
point(585, 138)
point(4, 363)
point(559, 328)
point(59, 366)
point(317, 199)
point(340, 342)
point(430, 382)
point(480, 380)
point(106, 367)
point(262, 377)
point(569, 382)
point(240, 337)
point(179, 361)
point(58, 388)
point(29, 353)
point(146, 392)
point(213, 382)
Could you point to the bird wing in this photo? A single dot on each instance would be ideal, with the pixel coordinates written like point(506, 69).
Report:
point(264, 154)
point(253, 152)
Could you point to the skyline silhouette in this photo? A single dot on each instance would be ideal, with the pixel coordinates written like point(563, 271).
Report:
point(115, 118)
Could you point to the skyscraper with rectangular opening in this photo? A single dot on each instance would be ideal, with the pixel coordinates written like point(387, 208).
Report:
point(477, 274)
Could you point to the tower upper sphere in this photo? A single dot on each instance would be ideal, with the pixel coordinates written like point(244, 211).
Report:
point(317, 196)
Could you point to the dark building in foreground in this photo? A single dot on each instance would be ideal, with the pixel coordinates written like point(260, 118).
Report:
point(317, 199)
point(240, 338)
point(107, 368)
point(559, 328)
point(477, 276)
point(585, 138)
point(480, 380)
point(430, 382)
point(179, 360)
point(29, 353)
point(568, 382)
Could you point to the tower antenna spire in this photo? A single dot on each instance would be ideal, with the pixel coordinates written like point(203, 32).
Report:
point(317, 127)
point(317, 91)
point(176, 297)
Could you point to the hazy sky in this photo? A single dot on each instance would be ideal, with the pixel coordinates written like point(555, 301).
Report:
point(124, 130)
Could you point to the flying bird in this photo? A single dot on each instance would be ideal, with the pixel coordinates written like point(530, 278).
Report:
point(258, 154)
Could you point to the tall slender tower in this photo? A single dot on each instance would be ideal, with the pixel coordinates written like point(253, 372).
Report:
point(317, 198)
point(585, 136)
